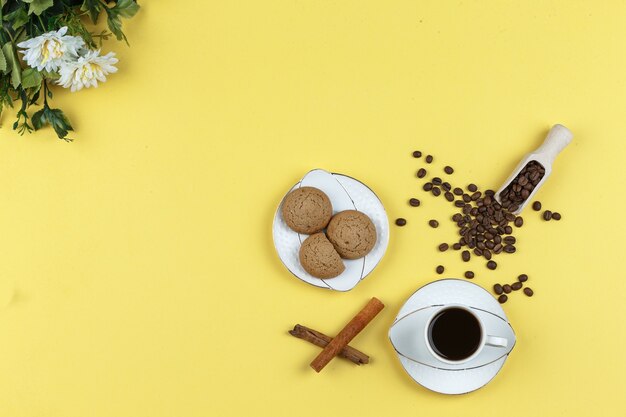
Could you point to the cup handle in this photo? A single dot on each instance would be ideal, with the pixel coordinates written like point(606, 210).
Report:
point(497, 341)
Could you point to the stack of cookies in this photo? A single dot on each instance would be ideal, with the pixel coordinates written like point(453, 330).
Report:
point(349, 234)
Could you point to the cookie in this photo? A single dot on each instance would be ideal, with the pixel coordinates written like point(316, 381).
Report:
point(352, 234)
point(307, 210)
point(319, 258)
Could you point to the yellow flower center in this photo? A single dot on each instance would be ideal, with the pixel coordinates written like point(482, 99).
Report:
point(51, 49)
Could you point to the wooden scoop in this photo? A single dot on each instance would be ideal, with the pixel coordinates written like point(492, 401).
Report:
point(558, 138)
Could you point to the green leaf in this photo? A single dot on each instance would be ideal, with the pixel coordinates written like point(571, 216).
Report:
point(38, 6)
point(115, 25)
point(125, 8)
point(31, 78)
point(18, 17)
point(93, 8)
point(55, 118)
point(3, 62)
point(13, 64)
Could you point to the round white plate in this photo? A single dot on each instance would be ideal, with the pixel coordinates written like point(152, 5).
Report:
point(345, 193)
point(438, 293)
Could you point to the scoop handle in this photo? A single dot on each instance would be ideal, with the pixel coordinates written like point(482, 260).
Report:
point(558, 138)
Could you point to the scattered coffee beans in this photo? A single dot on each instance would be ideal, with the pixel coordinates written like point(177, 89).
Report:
point(503, 298)
point(492, 265)
point(537, 205)
point(472, 188)
point(449, 196)
point(417, 154)
point(516, 286)
point(443, 247)
point(429, 159)
point(556, 216)
point(522, 185)
point(469, 274)
point(497, 288)
point(414, 202)
point(440, 269)
point(506, 288)
point(436, 181)
point(457, 191)
point(400, 221)
point(519, 221)
point(547, 215)
point(436, 191)
point(522, 278)
point(448, 170)
point(528, 292)
point(456, 246)
point(433, 223)
point(465, 255)
point(421, 173)
point(428, 186)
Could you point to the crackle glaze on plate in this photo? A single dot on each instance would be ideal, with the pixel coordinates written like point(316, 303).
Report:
point(407, 329)
point(345, 193)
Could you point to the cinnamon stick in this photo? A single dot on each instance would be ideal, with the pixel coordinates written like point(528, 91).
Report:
point(321, 340)
point(353, 328)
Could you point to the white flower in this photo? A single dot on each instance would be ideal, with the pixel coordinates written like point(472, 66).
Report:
point(87, 70)
point(50, 50)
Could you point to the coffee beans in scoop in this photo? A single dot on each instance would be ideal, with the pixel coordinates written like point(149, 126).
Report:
point(522, 185)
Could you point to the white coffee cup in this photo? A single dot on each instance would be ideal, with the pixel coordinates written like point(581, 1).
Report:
point(485, 338)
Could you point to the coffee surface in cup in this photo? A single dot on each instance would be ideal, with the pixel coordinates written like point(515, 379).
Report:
point(454, 334)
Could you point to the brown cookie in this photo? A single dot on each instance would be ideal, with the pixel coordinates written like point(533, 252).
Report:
point(307, 210)
point(319, 258)
point(352, 234)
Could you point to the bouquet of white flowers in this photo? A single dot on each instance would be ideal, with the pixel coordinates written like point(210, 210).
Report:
point(46, 42)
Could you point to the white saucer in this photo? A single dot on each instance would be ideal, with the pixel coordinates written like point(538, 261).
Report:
point(345, 193)
point(452, 379)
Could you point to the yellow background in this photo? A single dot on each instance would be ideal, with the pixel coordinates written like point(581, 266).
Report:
point(137, 271)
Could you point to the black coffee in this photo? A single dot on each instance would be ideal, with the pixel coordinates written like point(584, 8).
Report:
point(454, 334)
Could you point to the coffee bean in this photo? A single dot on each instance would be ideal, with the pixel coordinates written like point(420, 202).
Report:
point(449, 196)
point(506, 288)
point(436, 191)
point(509, 249)
point(440, 269)
point(433, 223)
point(475, 196)
point(469, 274)
point(421, 173)
point(556, 216)
point(456, 246)
point(428, 186)
point(414, 202)
point(508, 230)
point(459, 203)
point(516, 286)
point(522, 278)
point(458, 191)
point(417, 154)
point(497, 288)
point(492, 265)
point(472, 187)
point(490, 193)
point(547, 215)
point(509, 240)
point(448, 170)
point(457, 217)
point(487, 254)
point(528, 291)
point(497, 248)
point(446, 186)
point(443, 247)
point(502, 299)
point(400, 221)
point(429, 159)
point(537, 205)
point(467, 198)
point(519, 221)
point(436, 181)
point(465, 255)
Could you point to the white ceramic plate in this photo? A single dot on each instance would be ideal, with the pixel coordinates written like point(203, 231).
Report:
point(345, 193)
point(446, 381)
